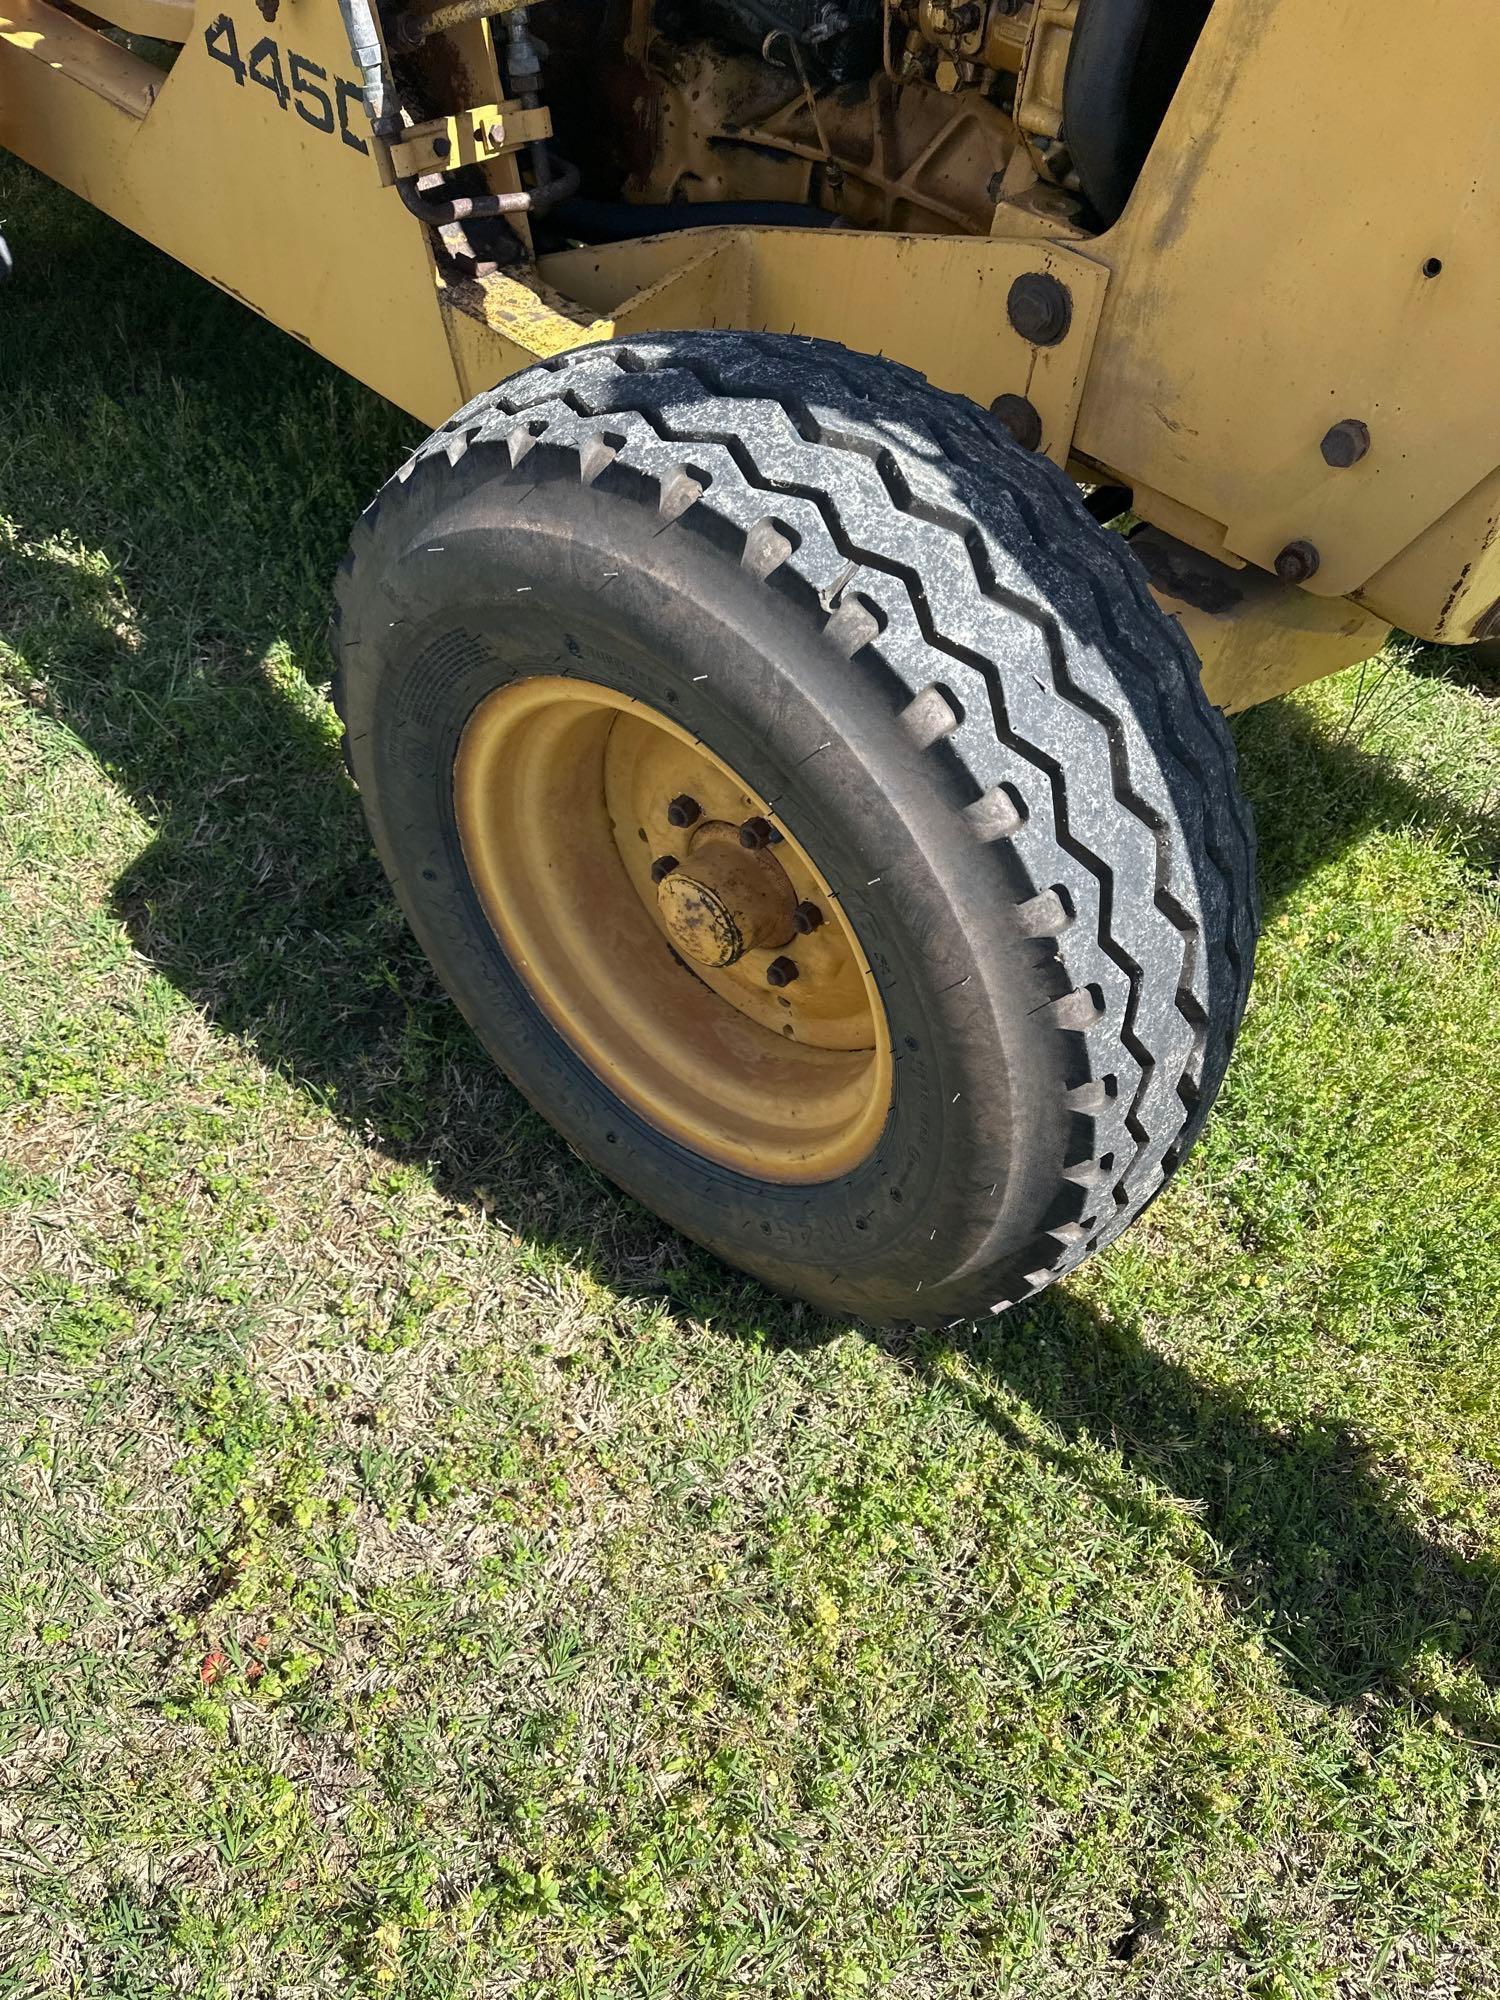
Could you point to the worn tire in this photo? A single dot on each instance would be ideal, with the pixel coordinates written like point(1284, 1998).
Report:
point(970, 712)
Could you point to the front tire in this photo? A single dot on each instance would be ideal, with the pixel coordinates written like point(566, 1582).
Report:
point(952, 695)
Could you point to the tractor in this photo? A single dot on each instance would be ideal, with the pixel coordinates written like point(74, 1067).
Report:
point(876, 444)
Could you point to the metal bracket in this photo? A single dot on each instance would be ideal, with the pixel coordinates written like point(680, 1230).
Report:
point(466, 139)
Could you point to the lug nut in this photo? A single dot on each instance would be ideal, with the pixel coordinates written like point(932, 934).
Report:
point(663, 866)
point(683, 811)
point(757, 832)
point(781, 972)
point(806, 917)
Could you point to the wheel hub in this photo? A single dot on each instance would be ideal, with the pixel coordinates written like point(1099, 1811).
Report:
point(726, 899)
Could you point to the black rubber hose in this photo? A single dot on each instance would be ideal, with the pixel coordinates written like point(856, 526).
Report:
point(476, 207)
point(619, 221)
point(1125, 62)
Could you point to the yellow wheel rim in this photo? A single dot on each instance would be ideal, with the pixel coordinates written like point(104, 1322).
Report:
point(626, 871)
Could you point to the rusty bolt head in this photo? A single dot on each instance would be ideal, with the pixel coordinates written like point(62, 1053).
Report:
point(1040, 308)
point(683, 811)
point(806, 917)
point(1346, 443)
point(1021, 418)
point(663, 866)
point(781, 972)
point(1297, 562)
point(757, 832)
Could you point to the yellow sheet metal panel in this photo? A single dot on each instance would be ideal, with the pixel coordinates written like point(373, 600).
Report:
point(1313, 238)
point(496, 326)
point(709, 287)
point(613, 277)
point(160, 20)
point(1446, 585)
point(58, 65)
point(938, 303)
point(252, 165)
point(1256, 636)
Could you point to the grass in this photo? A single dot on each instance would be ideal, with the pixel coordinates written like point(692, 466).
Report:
point(422, 1574)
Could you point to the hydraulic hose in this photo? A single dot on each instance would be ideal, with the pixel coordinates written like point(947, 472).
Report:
point(414, 27)
point(364, 47)
point(476, 207)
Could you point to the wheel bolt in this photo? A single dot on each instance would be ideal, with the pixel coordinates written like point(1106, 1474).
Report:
point(663, 866)
point(806, 917)
point(683, 811)
point(757, 832)
point(781, 972)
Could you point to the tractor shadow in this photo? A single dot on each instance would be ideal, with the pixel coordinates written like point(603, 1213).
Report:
point(260, 900)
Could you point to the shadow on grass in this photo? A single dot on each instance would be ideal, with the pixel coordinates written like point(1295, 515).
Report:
point(260, 900)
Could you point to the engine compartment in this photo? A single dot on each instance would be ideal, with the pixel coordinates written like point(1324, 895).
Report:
point(913, 115)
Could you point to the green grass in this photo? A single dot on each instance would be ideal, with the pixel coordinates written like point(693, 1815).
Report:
point(422, 1574)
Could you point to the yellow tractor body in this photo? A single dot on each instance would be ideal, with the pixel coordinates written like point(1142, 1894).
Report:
point(1309, 244)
